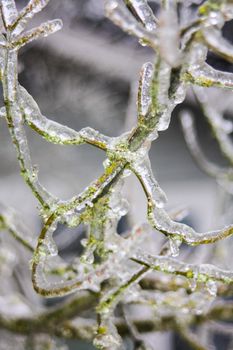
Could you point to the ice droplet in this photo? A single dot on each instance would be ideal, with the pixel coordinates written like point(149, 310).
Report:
point(175, 243)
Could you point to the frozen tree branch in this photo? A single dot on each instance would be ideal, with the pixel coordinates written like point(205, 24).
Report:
point(109, 265)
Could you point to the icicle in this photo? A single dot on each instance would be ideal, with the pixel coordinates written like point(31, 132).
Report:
point(144, 89)
point(9, 12)
point(212, 288)
point(175, 243)
point(145, 13)
point(43, 30)
point(27, 13)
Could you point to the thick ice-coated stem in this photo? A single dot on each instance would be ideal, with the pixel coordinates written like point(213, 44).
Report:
point(144, 12)
point(161, 221)
point(9, 12)
point(27, 13)
point(55, 132)
point(201, 273)
point(120, 15)
point(207, 76)
point(109, 264)
point(43, 30)
point(216, 43)
point(15, 124)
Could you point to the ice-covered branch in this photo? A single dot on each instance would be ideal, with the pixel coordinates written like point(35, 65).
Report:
point(55, 132)
point(161, 221)
point(144, 12)
point(9, 12)
point(109, 263)
point(122, 17)
point(206, 76)
point(203, 273)
point(216, 43)
point(27, 13)
point(43, 30)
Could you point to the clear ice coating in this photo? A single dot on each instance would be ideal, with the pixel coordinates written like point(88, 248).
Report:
point(120, 15)
point(212, 288)
point(27, 13)
point(175, 244)
point(9, 12)
point(145, 13)
point(144, 96)
point(145, 174)
point(43, 30)
point(109, 264)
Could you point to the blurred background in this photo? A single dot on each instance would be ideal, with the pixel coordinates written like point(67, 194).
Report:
point(86, 75)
